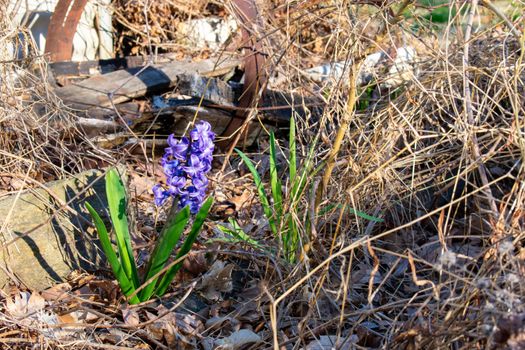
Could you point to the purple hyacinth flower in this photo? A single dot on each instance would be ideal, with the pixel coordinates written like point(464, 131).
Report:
point(185, 163)
point(193, 203)
point(177, 182)
point(195, 166)
point(193, 198)
point(200, 182)
point(171, 167)
point(161, 195)
point(179, 148)
point(202, 131)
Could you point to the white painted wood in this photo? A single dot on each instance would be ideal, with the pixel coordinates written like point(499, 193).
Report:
point(93, 39)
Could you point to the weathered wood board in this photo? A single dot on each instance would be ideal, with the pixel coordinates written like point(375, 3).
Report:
point(95, 97)
point(120, 86)
point(105, 112)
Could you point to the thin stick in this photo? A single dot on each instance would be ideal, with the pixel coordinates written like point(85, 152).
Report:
point(470, 114)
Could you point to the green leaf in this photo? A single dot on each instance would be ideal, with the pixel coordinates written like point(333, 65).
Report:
point(364, 215)
point(186, 246)
point(352, 211)
point(293, 152)
point(275, 183)
point(238, 234)
point(306, 173)
point(120, 275)
point(260, 190)
point(116, 195)
point(292, 240)
point(168, 238)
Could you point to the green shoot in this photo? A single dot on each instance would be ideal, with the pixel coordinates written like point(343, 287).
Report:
point(123, 264)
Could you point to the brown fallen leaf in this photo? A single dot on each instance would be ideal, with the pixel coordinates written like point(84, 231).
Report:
point(217, 280)
point(67, 318)
point(247, 312)
point(329, 342)
point(24, 303)
point(195, 263)
point(141, 185)
point(29, 309)
point(178, 330)
point(130, 316)
point(56, 292)
point(237, 340)
point(243, 200)
point(221, 322)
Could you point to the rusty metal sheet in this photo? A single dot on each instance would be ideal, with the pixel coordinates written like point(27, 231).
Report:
point(62, 29)
point(254, 64)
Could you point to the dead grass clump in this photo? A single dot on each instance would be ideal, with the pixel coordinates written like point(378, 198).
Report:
point(145, 25)
point(36, 132)
point(440, 159)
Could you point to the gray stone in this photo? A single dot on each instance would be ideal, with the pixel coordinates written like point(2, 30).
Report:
point(43, 239)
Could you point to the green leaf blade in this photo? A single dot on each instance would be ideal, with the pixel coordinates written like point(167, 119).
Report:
point(118, 271)
point(275, 182)
point(186, 246)
point(116, 195)
point(260, 190)
point(353, 211)
point(168, 238)
point(364, 215)
point(238, 234)
point(293, 152)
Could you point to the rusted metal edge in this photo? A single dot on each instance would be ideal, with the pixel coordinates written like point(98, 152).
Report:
point(62, 29)
point(255, 76)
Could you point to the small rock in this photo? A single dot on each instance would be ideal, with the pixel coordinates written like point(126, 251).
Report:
point(43, 241)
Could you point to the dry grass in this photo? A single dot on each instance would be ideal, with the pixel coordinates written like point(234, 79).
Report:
point(148, 27)
point(38, 133)
point(439, 160)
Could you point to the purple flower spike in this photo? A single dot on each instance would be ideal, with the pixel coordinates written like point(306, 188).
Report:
point(200, 182)
point(201, 131)
point(185, 163)
point(195, 166)
point(161, 195)
point(179, 148)
point(171, 167)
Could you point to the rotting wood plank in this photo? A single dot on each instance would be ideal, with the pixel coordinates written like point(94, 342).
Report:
point(92, 97)
point(66, 72)
point(124, 85)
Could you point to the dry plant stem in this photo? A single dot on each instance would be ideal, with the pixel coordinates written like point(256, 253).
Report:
point(346, 284)
point(470, 114)
point(419, 282)
point(358, 243)
point(352, 100)
point(332, 247)
point(330, 164)
point(238, 135)
point(372, 273)
point(516, 100)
